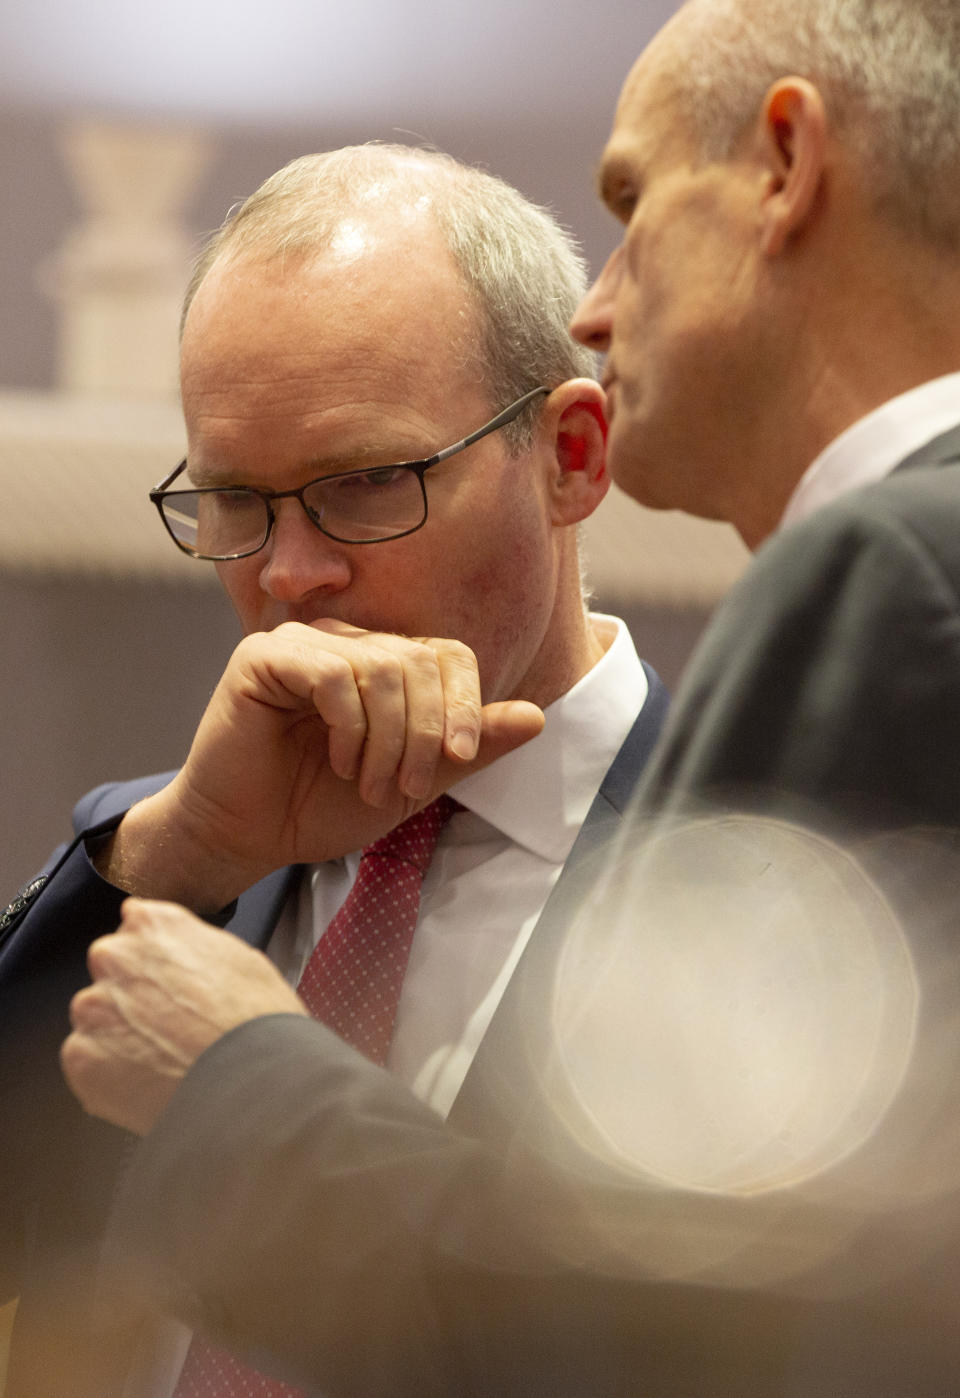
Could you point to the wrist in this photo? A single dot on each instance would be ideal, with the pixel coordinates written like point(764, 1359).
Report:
point(157, 852)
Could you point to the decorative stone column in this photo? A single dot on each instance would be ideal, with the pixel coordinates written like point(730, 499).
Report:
point(120, 273)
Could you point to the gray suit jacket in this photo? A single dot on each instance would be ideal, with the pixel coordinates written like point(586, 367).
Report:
point(827, 686)
point(392, 1255)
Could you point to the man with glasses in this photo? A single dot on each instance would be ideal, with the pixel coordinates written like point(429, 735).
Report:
point(353, 507)
point(391, 443)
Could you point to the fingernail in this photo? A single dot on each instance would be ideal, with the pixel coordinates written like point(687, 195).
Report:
point(377, 794)
point(418, 783)
point(464, 745)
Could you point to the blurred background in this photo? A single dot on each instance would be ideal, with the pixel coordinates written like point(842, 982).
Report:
point(126, 132)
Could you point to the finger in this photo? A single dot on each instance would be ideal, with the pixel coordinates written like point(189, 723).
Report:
point(321, 668)
point(337, 699)
point(462, 703)
point(108, 1087)
point(92, 1009)
point(401, 687)
point(355, 681)
point(77, 1053)
point(103, 960)
point(443, 702)
point(505, 726)
point(423, 745)
point(382, 686)
point(108, 958)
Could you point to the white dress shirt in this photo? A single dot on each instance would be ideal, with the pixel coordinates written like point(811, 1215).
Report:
point(873, 446)
point(494, 867)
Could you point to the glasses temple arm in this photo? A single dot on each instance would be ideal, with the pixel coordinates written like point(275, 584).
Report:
point(168, 480)
point(501, 420)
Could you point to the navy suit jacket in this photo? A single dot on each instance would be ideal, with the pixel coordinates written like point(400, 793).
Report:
point(59, 1170)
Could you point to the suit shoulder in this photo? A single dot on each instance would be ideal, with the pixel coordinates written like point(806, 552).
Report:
point(912, 517)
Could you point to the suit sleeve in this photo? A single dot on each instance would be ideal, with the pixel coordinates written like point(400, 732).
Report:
point(297, 1204)
point(43, 945)
point(297, 1201)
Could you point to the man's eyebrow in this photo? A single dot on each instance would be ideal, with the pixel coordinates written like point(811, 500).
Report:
point(612, 175)
point(367, 457)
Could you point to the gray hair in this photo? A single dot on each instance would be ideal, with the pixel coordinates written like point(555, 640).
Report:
point(889, 73)
point(525, 272)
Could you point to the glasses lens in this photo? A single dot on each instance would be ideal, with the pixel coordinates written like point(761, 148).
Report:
point(216, 523)
point(363, 506)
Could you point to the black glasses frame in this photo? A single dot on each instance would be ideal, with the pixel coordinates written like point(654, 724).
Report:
point(419, 468)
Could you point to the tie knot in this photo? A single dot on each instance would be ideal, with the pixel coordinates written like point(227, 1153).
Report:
point(415, 838)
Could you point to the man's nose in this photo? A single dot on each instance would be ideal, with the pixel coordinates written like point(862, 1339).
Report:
point(592, 322)
point(298, 559)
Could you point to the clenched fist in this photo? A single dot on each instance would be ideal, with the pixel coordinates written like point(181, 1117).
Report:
point(165, 987)
point(318, 739)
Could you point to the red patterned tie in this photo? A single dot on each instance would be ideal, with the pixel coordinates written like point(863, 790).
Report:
point(351, 982)
point(353, 978)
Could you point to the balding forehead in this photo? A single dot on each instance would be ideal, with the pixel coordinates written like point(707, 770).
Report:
point(652, 119)
point(628, 139)
point(354, 284)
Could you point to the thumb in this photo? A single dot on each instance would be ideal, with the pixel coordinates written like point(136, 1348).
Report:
point(504, 726)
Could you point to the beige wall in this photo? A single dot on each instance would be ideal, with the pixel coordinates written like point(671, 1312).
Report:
point(104, 680)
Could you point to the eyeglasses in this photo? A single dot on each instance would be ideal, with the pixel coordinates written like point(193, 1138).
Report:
point(354, 507)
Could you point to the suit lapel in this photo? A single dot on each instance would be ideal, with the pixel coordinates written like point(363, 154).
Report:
point(259, 908)
point(496, 1089)
point(603, 817)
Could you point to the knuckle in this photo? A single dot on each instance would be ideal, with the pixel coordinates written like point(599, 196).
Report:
point(246, 651)
point(285, 631)
point(428, 732)
point(458, 653)
point(464, 708)
point(425, 662)
point(337, 669)
point(100, 957)
point(382, 670)
point(332, 677)
point(73, 1058)
point(86, 1007)
point(389, 748)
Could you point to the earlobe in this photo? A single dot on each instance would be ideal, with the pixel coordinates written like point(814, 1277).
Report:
point(793, 133)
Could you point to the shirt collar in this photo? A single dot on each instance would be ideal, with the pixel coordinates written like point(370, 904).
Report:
point(539, 794)
point(873, 446)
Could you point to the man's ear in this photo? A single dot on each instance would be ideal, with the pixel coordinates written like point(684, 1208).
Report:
point(575, 417)
point(792, 133)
